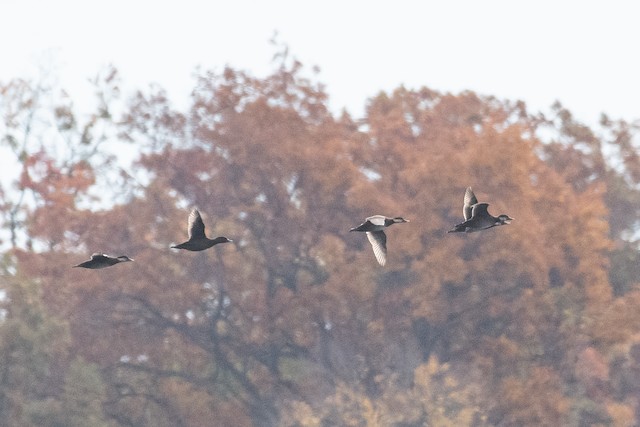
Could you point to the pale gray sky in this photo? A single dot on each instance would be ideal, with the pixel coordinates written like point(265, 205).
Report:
point(583, 53)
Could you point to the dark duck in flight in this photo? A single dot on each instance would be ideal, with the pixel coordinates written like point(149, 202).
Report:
point(101, 261)
point(198, 241)
point(476, 216)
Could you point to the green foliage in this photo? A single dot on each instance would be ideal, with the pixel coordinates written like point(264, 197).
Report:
point(83, 396)
point(31, 345)
point(80, 403)
point(41, 383)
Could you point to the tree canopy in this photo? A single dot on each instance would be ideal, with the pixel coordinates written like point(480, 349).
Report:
point(294, 323)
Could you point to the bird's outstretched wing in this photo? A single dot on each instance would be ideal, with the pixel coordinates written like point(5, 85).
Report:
point(195, 226)
point(469, 201)
point(378, 242)
point(480, 210)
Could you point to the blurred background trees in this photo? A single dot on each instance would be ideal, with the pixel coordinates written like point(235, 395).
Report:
point(294, 324)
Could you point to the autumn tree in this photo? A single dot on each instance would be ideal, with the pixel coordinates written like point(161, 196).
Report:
point(294, 323)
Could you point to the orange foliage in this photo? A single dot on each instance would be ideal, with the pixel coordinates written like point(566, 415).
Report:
point(294, 323)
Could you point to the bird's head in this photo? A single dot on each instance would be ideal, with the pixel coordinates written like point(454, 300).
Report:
point(505, 219)
point(399, 219)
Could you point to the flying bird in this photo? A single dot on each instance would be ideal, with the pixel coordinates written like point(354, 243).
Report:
point(198, 241)
point(373, 226)
point(476, 216)
point(101, 261)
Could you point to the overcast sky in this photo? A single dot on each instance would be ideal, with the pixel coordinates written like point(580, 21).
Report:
point(583, 53)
